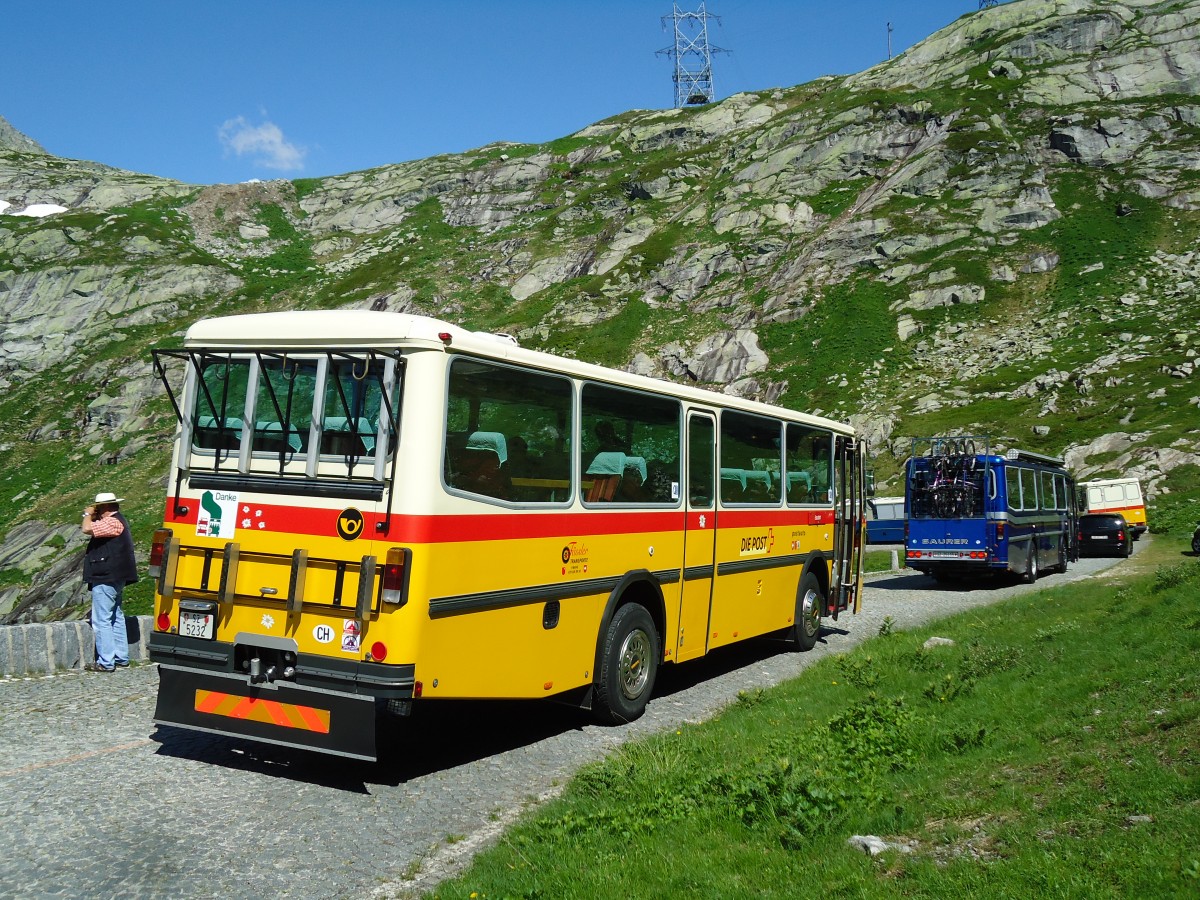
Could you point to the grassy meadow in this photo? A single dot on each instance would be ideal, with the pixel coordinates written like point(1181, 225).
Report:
point(1051, 751)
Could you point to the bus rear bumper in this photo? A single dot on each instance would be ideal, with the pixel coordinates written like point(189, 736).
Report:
point(326, 704)
point(280, 714)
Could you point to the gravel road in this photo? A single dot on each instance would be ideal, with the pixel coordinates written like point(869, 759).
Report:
point(99, 802)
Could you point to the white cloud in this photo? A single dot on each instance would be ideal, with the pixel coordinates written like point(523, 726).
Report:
point(264, 142)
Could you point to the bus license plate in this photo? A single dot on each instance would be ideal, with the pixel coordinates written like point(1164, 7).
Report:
point(197, 624)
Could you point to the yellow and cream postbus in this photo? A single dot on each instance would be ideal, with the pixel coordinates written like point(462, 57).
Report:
point(1115, 495)
point(368, 510)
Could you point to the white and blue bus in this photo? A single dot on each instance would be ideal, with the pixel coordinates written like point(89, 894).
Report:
point(974, 512)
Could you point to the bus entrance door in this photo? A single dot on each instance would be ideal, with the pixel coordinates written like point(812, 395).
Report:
point(700, 539)
point(848, 535)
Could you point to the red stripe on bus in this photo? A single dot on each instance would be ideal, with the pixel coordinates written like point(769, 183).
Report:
point(514, 525)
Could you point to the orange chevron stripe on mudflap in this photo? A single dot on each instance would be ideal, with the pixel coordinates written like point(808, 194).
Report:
point(272, 712)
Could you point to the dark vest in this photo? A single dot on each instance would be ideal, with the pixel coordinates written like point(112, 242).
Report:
point(110, 560)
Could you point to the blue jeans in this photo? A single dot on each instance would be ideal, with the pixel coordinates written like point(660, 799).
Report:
point(108, 624)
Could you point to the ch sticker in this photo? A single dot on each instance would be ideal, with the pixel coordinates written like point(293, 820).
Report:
point(349, 524)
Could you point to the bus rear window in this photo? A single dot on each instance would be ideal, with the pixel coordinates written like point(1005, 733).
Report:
point(331, 404)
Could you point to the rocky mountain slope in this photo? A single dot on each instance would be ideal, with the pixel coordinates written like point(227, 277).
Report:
point(997, 232)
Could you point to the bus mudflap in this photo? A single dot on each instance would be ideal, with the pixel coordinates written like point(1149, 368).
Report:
point(282, 714)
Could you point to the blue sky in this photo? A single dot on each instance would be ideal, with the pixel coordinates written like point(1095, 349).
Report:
point(210, 91)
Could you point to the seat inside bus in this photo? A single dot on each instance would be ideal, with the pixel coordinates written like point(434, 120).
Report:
point(209, 435)
point(477, 463)
point(340, 437)
point(606, 471)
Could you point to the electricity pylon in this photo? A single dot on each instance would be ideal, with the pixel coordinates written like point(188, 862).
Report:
point(692, 54)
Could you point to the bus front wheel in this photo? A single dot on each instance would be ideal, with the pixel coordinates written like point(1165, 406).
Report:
point(628, 666)
point(810, 603)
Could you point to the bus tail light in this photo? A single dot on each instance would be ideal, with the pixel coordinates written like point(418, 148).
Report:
point(163, 622)
point(158, 549)
point(395, 575)
point(164, 558)
point(999, 531)
point(418, 689)
point(379, 651)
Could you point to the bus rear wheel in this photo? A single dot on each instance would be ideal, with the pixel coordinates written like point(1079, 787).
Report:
point(628, 666)
point(1031, 567)
point(810, 603)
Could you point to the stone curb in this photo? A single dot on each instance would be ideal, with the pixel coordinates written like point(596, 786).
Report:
point(43, 649)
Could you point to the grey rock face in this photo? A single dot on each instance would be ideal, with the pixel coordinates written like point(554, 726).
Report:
point(11, 139)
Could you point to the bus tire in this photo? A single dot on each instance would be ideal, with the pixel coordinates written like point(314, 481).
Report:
point(628, 666)
point(1031, 566)
point(810, 603)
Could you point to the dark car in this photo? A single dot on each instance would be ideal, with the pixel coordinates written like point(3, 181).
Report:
point(1104, 534)
point(1196, 541)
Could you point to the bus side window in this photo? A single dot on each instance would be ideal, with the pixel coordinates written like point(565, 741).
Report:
point(629, 446)
point(700, 466)
point(1028, 489)
point(807, 461)
point(750, 459)
point(1047, 485)
point(1012, 484)
point(507, 428)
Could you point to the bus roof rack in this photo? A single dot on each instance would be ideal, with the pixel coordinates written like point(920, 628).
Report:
point(1029, 456)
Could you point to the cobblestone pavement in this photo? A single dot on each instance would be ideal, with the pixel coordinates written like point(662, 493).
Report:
point(99, 802)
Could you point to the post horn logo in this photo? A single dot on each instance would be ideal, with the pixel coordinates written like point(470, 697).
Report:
point(349, 524)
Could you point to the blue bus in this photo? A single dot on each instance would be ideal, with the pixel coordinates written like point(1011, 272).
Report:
point(973, 512)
